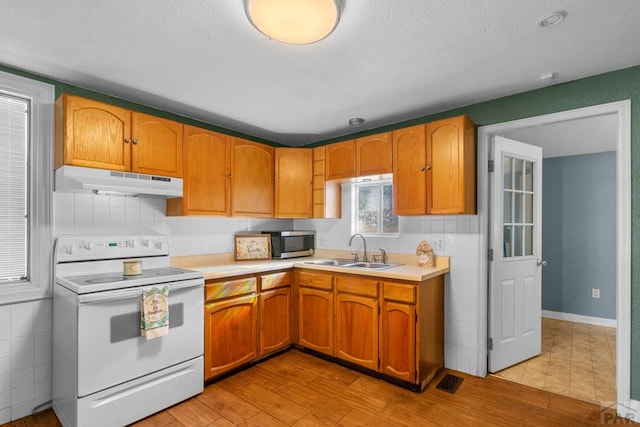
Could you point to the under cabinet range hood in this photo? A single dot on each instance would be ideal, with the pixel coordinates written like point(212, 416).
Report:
point(81, 179)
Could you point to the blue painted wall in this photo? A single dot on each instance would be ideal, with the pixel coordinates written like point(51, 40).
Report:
point(578, 237)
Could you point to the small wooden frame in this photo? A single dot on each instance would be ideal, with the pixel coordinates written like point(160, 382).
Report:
point(252, 247)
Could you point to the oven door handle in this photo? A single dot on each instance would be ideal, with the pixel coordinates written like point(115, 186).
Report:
point(109, 296)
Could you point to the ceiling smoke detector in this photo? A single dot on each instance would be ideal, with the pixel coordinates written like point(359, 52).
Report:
point(552, 18)
point(356, 121)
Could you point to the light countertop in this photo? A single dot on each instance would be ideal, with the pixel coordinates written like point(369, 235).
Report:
point(216, 266)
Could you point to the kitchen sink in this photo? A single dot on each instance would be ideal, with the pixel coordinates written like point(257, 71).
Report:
point(336, 262)
point(353, 264)
point(371, 265)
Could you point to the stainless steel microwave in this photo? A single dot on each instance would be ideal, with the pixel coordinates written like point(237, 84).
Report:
point(292, 244)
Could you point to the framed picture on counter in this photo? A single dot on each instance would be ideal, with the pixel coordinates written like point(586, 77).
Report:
point(252, 247)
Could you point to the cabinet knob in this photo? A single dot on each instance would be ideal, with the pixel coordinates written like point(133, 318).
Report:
point(425, 168)
point(229, 175)
point(127, 140)
point(135, 141)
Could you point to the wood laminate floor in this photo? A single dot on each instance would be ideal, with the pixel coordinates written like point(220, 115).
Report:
point(577, 360)
point(297, 389)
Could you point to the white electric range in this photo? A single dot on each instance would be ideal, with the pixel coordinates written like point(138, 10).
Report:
point(105, 373)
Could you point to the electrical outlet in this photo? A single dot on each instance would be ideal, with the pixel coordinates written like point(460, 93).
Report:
point(595, 293)
point(437, 243)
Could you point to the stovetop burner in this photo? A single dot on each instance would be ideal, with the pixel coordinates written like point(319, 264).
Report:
point(110, 280)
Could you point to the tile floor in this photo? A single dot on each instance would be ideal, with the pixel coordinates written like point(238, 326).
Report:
point(577, 360)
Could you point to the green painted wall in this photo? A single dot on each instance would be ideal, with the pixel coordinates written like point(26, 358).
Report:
point(599, 89)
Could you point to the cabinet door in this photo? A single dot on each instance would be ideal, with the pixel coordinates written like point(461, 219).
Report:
point(206, 187)
point(451, 177)
point(315, 320)
point(373, 154)
point(409, 167)
point(356, 337)
point(398, 340)
point(275, 320)
point(294, 182)
point(230, 334)
point(157, 145)
point(340, 160)
point(92, 134)
point(251, 179)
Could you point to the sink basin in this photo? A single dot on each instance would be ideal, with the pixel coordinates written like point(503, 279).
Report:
point(336, 262)
point(353, 264)
point(371, 265)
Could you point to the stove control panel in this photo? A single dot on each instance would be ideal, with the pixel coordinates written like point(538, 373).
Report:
point(104, 247)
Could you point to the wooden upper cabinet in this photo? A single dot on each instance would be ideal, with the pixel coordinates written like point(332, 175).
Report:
point(156, 145)
point(206, 174)
point(340, 160)
point(98, 135)
point(409, 167)
point(373, 154)
point(294, 182)
point(92, 134)
point(451, 178)
point(252, 174)
point(434, 168)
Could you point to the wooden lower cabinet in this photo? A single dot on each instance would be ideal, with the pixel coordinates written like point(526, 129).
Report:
point(398, 340)
point(275, 320)
point(394, 328)
point(315, 311)
point(230, 334)
point(356, 315)
point(245, 318)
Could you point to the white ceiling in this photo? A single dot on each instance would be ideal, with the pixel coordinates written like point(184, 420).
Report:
point(588, 135)
point(387, 61)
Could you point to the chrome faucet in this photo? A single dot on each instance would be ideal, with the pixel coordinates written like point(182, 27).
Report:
point(365, 245)
point(383, 255)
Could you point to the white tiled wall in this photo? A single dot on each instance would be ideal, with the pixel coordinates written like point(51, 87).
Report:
point(25, 358)
point(26, 328)
point(461, 236)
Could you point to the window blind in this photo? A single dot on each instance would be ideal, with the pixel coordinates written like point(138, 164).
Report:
point(13, 188)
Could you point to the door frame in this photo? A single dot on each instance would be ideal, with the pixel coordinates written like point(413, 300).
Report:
point(622, 109)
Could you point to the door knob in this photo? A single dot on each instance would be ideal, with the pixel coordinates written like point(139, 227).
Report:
point(541, 263)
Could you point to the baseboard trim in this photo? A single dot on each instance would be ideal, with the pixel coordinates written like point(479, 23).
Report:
point(579, 318)
point(629, 410)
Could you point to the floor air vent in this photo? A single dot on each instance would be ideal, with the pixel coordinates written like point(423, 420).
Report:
point(449, 383)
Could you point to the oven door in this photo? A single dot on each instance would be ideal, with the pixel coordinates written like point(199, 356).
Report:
point(111, 349)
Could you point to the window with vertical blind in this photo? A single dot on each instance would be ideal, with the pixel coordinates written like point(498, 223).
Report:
point(14, 188)
point(26, 187)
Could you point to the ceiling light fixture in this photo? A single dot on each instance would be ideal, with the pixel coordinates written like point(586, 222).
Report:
point(294, 21)
point(552, 18)
point(356, 121)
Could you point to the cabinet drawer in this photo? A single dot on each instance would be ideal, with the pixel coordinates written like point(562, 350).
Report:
point(313, 280)
point(357, 286)
point(398, 292)
point(275, 280)
point(230, 288)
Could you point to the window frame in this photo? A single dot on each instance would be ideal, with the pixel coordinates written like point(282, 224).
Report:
point(354, 207)
point(41, 98)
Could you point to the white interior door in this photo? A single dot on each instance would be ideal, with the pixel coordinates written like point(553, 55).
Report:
point(515, 276)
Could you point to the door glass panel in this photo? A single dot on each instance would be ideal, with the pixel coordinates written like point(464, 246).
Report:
point(528, 240)
point(517, 176)
point(518, 208)
point(528, 208)
point(506, 171)
point(506, 245)
point(507, 207)
point(528, 176)
point(517, 240)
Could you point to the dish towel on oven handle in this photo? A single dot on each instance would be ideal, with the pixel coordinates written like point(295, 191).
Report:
point(154, 314)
